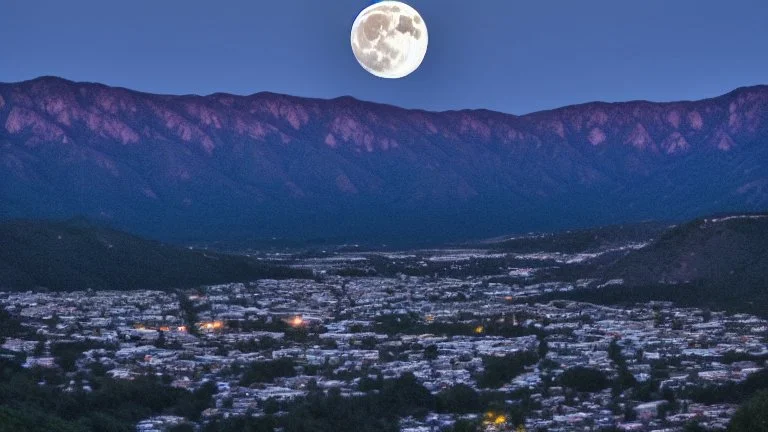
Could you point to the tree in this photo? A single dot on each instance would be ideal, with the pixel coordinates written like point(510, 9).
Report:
point(267, 371)
point(465, 426)
point(192, 406)
point(368, 343)
point(584, 379)
point(752, 416)
point(39, 350)
point(459, 399)
point(694, 427)
point(629, 413)
point(614, 352)
point(500, 370)
point(430, 352)
point(543, 349)
point(625, 379)
point(271, 406)
point(160, 341)
point(10, 326)
point(405, 397)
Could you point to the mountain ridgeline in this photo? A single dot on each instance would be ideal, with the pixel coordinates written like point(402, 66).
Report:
point(225, 167)
point(76, 255)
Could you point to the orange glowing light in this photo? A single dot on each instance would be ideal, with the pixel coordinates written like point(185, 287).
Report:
point(297, 321)
point(165, 328)
point(211, 325)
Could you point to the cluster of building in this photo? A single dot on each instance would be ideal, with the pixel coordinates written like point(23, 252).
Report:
point(331, 330)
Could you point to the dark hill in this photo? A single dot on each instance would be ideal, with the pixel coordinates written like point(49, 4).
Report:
point(583, 240)
point(725, 250)
point(76, 255)
point(718, 263)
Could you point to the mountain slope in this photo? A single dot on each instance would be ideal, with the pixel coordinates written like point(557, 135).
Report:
point(74, 255)
point(727, 250)
point(224, 166)
point(719, 263)
point(583, 240)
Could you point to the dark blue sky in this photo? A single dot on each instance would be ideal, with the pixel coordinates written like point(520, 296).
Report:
point(515, 56)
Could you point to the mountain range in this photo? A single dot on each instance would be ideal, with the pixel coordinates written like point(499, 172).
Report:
point(226, 167)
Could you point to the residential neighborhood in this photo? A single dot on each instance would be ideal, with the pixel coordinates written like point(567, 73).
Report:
point(572, 366)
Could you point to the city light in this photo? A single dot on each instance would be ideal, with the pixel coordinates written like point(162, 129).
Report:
point(211, 325)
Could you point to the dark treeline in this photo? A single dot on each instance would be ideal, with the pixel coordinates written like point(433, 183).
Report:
point(413, 324)
point(267, 371)
point(584, 379)
point(378, 411)
point(112, 405)
point(740, 297)
point(384, 267)
point(752, 393)
point(732, 392)
point(498, 371)
point(752, 416)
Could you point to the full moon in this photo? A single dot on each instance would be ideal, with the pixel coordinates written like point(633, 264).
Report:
point(389, 39)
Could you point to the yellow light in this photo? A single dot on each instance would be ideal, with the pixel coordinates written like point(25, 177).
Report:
point(500, 420)
point(479, 329)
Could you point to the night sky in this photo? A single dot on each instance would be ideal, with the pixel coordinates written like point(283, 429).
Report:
point(508, 55)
